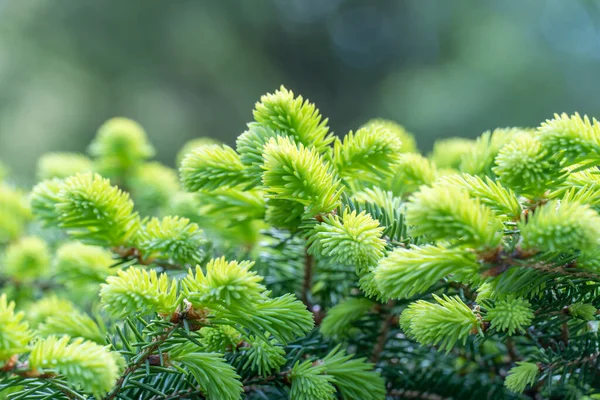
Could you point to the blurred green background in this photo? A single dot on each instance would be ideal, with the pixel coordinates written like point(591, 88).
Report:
point(190, 68)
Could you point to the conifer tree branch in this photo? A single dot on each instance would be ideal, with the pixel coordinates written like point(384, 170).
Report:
point(146, 354)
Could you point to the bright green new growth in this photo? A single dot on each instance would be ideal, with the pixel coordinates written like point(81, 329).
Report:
point(511, 315)
point(88, 208)
point(210, 167)
point(77, 324)
point(174, 239)
point(370, 154)
point(14, 213)
point(219, 339)
point(152, 186)
point(441, 324)
point(354, 378)
point(217, 379)
point(294, 258)
point(120, 145)
point(523, 166)
point(238, 206)
point(447, 212)
point(14, 333)
point(62, 165)
point(571, 139)
point(250, 145)
point(448, 153)
point(406, 272)
point(561, 226)
point(77, 262)
point(525, 373)
point(136, 291)
point(480, 159)
point(412, 171)
point(225, 284)
point(265, 357)
point(294, 117)
point(26, 259)
point(191, 145)
point(84, 364)
point(492, 194)
point(409, 145)
point(354, 239)
point(297, 173)
point(309, 382)
point(47, 306)
point(339, 319)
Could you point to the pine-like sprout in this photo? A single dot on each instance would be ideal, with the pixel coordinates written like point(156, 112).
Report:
point(412, 171)
point(499, 199)
point(561, 226)
point(339, 319)
point(447, 212)
point(353, 377)
point(137, 291)
point(14, 213)
point(14, 333)
point(120, 144)
point(523, 166)
point(369, 155)
point(448, 153)
point(406, 272)
point(284, 213)
point(584, 311)
point(77, 262)
point(512, 315)
point(62, 165)
point(443, 324)
point(525, 373)
point(93, 211)
point(571, 139)
point(84, 364)
point(284, 317)
point(227, 284)
point(210, 167)
point(152, 186)
point(74, 324)
point(46, 307)
point(480, 159)
point(43, 199)
point(309, 382)
point(264, 357)
point(27, 259)
point(409, 145)
point(297, 173)
point(216, 378)
point(250, 145)
point(295, 117)
point(354, 239)
point(173, 239)
point(191, 145)
point(235, 205)
point(219, 339)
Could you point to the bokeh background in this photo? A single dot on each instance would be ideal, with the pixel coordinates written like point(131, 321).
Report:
point(190, 68)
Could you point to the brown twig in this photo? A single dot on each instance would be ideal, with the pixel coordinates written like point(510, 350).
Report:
point(307, 281)
point(383, 333)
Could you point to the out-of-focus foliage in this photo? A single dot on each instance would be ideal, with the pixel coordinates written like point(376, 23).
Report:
point(187, 68)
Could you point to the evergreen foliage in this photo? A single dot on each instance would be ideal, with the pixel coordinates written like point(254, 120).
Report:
point(303, 266)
